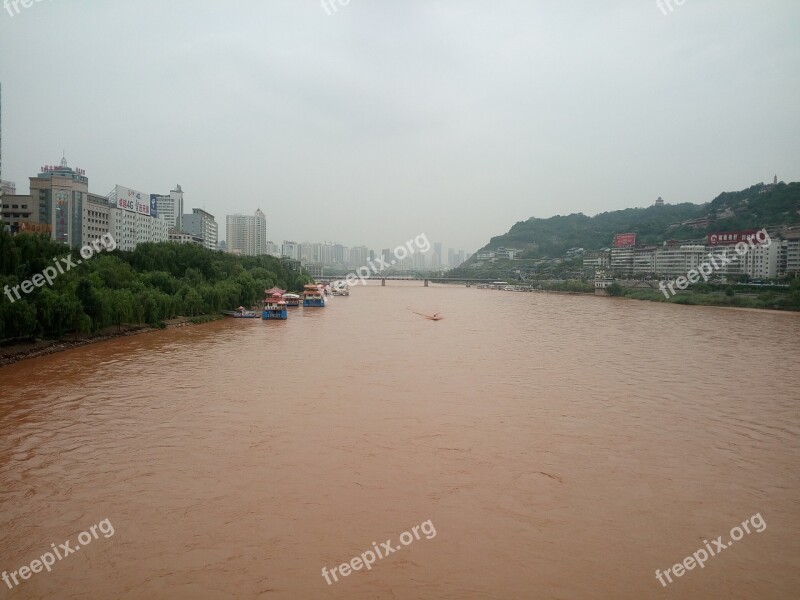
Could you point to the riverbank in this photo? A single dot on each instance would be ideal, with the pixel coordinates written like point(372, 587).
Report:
point(762, 300)
point(18, 352)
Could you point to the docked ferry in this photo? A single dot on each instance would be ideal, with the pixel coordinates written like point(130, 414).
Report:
point(274, 308)
point(313, 296)
point(292, 300)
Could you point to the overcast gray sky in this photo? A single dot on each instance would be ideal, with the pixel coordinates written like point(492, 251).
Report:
point(383, 120)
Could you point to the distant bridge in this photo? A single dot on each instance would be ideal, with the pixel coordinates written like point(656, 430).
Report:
point(410, 276)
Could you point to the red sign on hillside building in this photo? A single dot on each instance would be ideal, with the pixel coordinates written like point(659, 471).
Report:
point(730, 238)
point(623, 240)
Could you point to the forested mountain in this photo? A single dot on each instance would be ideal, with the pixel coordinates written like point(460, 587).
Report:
point(758, 206)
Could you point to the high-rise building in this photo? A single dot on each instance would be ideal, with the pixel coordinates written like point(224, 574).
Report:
point(170, 207)
point(789, 255)
point(96, 217)
point(201, 224)
point(273, 249)
point(326, 254)
point(133, 218)
point(419, 261)
point(338, 254)
point(246, 234)
point(290, 250)
point(59, 192)
point(436, 261)
point(359, 256)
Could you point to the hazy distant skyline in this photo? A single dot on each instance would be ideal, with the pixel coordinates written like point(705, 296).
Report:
point(381, 121)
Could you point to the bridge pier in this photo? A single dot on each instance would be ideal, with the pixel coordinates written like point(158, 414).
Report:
point(383, 282)
point(426, 283)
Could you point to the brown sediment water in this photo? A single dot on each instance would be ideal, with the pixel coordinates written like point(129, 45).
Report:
point(562, 447)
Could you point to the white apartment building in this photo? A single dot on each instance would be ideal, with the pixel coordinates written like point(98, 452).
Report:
point(789, 255)
point(246, 234)
point(671, 260)
point(674, 261)
point(130, 229)
point(359, 256)
point(621, 260)
point(291, 250)
point(761, 262)
point(130, 221)
point(171, 207)
point(273, 249)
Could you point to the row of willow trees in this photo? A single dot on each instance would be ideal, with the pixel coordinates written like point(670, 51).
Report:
point(153, 283)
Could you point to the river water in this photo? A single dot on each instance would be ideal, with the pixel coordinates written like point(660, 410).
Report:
point(560, 447)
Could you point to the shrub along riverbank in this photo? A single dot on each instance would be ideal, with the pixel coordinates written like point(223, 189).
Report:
point(744, 296)
point(149, 285)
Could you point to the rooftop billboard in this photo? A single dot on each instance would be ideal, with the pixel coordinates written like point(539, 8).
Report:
point(623, 240)
point(730, 238)
point(133, 201)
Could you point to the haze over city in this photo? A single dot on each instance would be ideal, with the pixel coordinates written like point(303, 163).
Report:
point(375, 122)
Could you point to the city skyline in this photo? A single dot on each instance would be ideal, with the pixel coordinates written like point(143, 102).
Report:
point(175, 204)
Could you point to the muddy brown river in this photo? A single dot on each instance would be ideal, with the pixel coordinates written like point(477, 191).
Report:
point(544, 446)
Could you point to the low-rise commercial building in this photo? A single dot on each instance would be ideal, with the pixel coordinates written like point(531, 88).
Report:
point(18, 211)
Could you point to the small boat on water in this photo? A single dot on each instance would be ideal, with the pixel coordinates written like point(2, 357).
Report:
point(241, 313)
point(314, 296)
point(434, 317)
point(291, 300)
point(274, 308)
point(340, 288)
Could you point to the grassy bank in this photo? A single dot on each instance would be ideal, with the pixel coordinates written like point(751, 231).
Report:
point(746, 297)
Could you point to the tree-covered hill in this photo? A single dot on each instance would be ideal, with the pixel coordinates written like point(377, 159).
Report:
point(153, 283)
point(758, 206)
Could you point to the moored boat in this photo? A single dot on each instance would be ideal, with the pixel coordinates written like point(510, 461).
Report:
point(274, 308)
point(340, 288)
point(241, 313)
point(313, 296)
point(291, 300)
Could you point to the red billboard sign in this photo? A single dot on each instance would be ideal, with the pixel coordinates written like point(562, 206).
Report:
point(730, 238)
point(27, 227)
point(623, 240)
